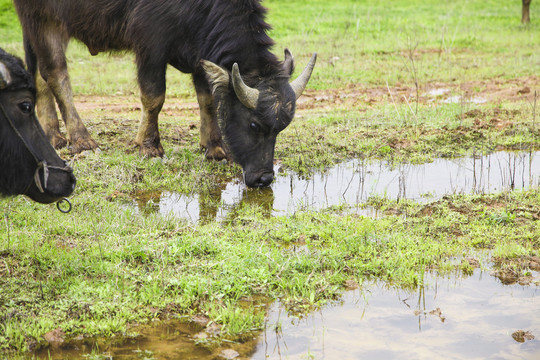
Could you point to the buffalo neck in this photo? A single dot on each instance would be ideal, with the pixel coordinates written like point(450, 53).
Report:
point(234, 32)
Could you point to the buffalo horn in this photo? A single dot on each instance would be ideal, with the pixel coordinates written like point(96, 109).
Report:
point(247, 96)
point(5, 76)
point(299, 84)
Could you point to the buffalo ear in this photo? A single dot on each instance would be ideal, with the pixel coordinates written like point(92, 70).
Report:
point(288, 63)
point(217, 77)
point(5, 76)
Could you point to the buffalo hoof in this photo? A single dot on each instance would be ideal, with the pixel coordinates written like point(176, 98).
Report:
point(82, 144)
point(151, 151)
point(58, 141)
point(216, 153)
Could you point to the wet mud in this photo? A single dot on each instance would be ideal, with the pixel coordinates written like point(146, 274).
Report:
point(173, 339)
point(478, 91)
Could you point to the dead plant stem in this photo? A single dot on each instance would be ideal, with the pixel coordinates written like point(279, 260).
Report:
point(393, 101)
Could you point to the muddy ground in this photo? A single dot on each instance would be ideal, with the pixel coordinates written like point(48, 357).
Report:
point(357, 95)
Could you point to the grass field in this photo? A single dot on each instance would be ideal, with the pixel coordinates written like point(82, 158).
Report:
point(105, 266)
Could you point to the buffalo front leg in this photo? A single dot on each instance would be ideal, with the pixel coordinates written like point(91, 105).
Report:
point(50, 49)
point(78, 136)
point(152, 84)
point(46, 111)
point(211, 139)
point(525, 12)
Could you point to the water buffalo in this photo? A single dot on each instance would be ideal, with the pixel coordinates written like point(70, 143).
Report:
point(525, 11)
point(215, 41)
point(28, 163)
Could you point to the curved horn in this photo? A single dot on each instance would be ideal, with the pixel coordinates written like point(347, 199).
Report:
point(299, 84)
point(247, 96)
point(5, 76)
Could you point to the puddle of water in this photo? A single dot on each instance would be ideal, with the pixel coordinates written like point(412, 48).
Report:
point(458, 99)
point(438, 92)
point(352, 182)
point(452, 318)
point(471, 318)
point(165, 340)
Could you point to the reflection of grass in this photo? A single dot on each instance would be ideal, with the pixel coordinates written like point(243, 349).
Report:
point(103, 266)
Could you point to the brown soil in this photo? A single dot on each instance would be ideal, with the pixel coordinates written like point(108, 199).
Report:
point(521, 336)
point(113, 120)
point(516, 270)
point(491, 91)
point(130, 103)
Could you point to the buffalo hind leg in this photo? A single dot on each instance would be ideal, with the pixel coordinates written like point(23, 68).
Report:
point(46, 111)
point(211, 139)
point(152, 84)
point(50, 50)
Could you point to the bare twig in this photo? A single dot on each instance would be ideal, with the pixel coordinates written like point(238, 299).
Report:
point(393, 101)
point(414, 73)
point(414, 113)
point(534, 109)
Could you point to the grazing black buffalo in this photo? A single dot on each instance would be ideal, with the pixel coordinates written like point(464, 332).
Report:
point(525, 18)
point(28, 163)
point(242, 88)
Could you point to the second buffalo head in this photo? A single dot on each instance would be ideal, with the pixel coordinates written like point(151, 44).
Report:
point(251, 117)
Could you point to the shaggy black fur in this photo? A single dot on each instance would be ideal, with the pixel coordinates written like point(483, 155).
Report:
point(177, 32)
point(21, 79)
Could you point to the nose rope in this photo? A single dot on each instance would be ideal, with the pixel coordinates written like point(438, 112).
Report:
point(37, 180)
point(43, 165)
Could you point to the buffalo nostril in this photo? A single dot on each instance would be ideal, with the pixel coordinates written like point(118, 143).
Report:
point(266, 179)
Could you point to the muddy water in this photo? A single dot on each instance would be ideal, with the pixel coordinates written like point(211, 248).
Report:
point(472, 318)
point(450, 318)
point(352, 182)
point(163, 340)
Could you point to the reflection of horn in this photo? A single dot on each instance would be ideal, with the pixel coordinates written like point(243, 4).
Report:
point(247, 96)
point(299, 84)
point(5, 76)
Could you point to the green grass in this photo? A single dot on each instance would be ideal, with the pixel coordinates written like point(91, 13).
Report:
point(370, 40)
point(105, 265)
point(96, 274)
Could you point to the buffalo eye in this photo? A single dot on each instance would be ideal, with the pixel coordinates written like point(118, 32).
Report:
point(26, 107)
point(255, 127)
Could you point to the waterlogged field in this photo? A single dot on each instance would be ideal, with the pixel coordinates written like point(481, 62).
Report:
point(404, 220)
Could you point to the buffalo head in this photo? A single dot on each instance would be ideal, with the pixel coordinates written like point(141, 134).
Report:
point(251, 117)
point(29, 164)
